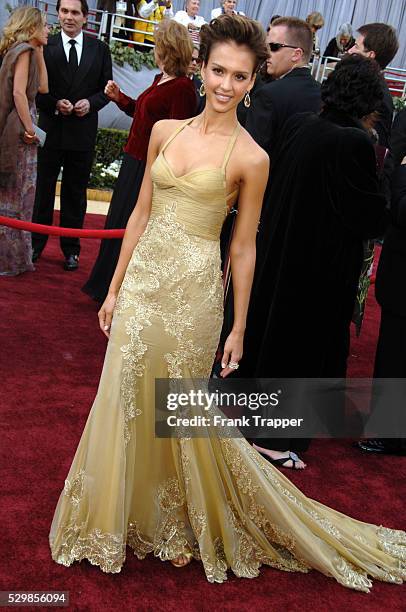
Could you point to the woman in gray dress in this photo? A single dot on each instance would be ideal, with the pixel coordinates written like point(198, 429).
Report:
point(22, 75)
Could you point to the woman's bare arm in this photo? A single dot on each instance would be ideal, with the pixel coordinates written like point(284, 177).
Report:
point(43, 74)
point(243, 251)
point(20, 91)
point(135, 228)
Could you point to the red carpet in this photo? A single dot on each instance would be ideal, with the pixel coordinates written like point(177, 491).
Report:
point(51, 354)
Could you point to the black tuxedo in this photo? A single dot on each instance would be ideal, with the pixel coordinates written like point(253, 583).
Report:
point(390, 278)
point(70, 139)
point(274, 103)
point(390, 358)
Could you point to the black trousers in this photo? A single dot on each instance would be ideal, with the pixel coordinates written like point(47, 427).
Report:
point(75, 177)
point(334, 366)
point(390, 359)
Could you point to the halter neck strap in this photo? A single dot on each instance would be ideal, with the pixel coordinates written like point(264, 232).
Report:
point(230, 145)
point(229, 148)
point(176, 132)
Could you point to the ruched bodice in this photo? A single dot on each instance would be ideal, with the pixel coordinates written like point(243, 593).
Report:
point(198, 198)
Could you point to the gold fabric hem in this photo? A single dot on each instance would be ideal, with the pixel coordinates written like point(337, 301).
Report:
point(105, 550)
point(108, 552)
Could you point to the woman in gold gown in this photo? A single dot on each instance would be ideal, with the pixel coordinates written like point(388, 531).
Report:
point(215, 499)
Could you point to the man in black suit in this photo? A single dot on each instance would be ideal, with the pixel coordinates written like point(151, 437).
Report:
point(390, 358)
point(379, 42)
point(293, 91)
point(79, 67)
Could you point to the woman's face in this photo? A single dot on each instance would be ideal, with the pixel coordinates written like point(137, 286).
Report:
point(229, 6)
point(192, 8)
point(40, 36)
point(228, 75)
point(344, 40)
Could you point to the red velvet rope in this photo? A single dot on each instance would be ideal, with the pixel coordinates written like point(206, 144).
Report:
point(52, 230)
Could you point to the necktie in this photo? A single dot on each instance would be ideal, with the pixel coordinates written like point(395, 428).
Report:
point(73, 56)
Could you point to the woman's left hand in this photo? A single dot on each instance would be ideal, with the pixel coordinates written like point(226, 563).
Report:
point(30, 138)
point(232, 353)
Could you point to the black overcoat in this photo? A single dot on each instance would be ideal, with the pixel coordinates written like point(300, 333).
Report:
point(322, 201)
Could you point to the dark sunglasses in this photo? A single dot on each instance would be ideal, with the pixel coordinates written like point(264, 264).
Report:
point(276, 46)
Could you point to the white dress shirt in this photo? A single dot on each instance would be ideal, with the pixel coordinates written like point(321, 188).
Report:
point(183, 18)
point(67, 46)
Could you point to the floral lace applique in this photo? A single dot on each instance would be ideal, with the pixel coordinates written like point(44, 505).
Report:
point(107, 550)
point(216, 571)
point(282, 542)
point(132, 354)
point(324, 523)
point(393, 542)
point(351, 576)
point(140, 546)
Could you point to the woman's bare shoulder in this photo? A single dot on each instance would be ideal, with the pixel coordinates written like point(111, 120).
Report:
point(165, 127)
point(250, 151)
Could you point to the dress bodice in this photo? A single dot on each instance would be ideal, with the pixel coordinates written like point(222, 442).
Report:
point(198, 198)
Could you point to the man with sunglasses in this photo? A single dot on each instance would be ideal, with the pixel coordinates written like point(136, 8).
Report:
point(293, 89)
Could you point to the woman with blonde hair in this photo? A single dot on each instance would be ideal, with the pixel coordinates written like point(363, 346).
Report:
point(316, 22)
point(22, 76)
point(172, 95)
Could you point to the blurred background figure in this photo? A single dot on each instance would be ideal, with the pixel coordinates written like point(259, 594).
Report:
point(172, 95)
point(379, 41)
point(154, 11)
point(110, 6)
point(191, 20)
point(190, 16)
point(316, 22)
point(227, 7)
point(193, 75)
point(274, 18)
point(22, 76)
point(340, 44)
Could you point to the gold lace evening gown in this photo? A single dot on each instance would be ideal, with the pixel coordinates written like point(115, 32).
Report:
point(216, 497)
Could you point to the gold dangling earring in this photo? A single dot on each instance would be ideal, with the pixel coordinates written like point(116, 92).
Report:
point(247, 100)
point(202, 91)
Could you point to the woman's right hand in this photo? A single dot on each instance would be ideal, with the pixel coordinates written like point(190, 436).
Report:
point(29, 137)
point(105, 313)
point(112, 91)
